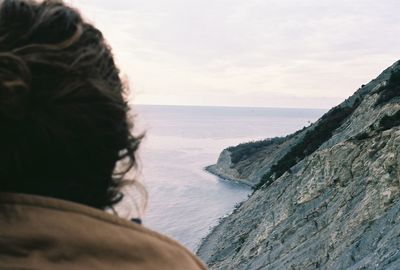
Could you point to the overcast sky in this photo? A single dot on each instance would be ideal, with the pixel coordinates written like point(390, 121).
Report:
point(264, 53)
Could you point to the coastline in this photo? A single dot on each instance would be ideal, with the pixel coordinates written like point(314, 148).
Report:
point(216, 229)
point(213, 170)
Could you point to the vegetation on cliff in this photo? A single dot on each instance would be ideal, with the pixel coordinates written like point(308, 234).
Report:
point(312, 140)
point(323, 131)
point(244, 150)
point(391, 89)
point(319, 133)
point(389, 121)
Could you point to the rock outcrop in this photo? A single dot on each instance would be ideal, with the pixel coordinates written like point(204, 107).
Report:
point(326, 197)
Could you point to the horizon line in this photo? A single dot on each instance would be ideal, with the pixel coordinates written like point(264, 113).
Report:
point(229, 106)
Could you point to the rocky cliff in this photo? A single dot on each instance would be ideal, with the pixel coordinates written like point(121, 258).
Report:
point(326, 197)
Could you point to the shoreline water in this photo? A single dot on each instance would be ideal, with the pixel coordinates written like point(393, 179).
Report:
point(212, 170)
point(211, 229)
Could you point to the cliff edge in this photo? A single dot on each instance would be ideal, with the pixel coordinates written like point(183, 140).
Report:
point(326, 197)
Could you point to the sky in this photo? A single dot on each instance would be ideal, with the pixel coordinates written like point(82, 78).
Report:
point(252, 53)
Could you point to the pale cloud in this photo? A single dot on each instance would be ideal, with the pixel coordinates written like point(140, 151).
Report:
point(287, 53)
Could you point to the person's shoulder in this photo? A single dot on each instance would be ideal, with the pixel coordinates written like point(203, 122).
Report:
point(104, 238)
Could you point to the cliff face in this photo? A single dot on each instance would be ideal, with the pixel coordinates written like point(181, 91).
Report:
point(250, 169)
point(336, 206)
point(251, 162)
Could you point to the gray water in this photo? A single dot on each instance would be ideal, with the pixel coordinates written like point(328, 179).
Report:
point(185, 201)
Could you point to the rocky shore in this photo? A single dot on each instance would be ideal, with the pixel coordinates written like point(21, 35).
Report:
point(222, 169)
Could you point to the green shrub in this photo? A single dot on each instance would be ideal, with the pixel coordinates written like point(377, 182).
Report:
point(361, 136)
point(389, 121)
point(244, 150)
point(390, 90)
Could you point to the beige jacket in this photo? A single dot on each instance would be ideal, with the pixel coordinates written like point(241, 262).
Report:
point(44, 233)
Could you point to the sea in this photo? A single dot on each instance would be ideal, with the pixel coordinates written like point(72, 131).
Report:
point(184, 201)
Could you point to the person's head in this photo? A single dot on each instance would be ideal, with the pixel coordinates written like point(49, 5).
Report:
point(63, 116)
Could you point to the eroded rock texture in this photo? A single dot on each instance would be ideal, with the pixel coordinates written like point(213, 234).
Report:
point(337, 208)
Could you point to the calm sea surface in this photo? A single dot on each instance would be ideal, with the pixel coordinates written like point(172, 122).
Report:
point(184, 200)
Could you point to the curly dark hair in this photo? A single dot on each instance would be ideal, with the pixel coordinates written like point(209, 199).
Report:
point(64, 123)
